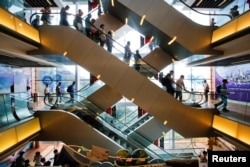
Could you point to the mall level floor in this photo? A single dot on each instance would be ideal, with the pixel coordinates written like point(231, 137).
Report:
point(46, 148)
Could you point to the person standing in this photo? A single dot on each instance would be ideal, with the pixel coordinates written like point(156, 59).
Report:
point(109, 41)
point(78, 21)
point(179, 87)
point(234, 11)
point(46, 93)
point(88, 25)
point(102, 36)
point(64, 16)
point(168, 82)
point(127, 54)
point(46, 15)
point(223, 95)
point(20, 161)
point(248, 2)
point(58, 93)
point(56, 157)
point(212, 22)
point(137, 58)
point(205, 89)
point(71, 90)
point(37, 159)
point(44, 162)
point(27, 163)
point(36, 22)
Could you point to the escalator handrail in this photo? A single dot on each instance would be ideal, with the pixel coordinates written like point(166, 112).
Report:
point(98, 29)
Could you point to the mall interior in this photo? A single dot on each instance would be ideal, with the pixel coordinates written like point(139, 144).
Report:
point(119, 113)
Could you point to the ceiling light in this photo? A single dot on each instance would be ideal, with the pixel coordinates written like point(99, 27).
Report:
point(238, 62)
point(65, 53)
point(112, 3)
point(172, 40)
point(151, 39)
point(142, 19)
point(126, 20)
point(100, 3)
point(98, 76)
point(49, 2)
point(132, 100)
point(224, 1)
point(165, 122)
point(199, 3)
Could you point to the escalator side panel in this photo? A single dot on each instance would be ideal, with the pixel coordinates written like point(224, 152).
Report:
point(158, 59)
point(105, 97)
point(66, 127)
point(110, 22)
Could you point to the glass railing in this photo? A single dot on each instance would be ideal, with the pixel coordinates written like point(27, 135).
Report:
point(238, 105)
point(15, 107)
point(79, 95)
point(204, 16)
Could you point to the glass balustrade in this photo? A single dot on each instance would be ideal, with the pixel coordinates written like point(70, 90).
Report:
point(204, 16)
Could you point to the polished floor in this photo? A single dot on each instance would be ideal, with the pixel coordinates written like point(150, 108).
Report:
point(46, 149)
point(239, 112)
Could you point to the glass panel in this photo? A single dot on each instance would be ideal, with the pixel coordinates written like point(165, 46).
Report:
point(204, 16)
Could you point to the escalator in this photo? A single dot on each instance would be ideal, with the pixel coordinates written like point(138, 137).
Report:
point(164, 25)
point(76, 131)
point(126, 81)
point(153, 61)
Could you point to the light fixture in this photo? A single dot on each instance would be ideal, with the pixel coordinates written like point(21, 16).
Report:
point(172, 40)
point(49, 2)
point(165, 122)
point(142, 19)
point(113, 33)
point(199, 3)
point(152, 38)
point(126, 20)
point(65, 53)
point(98, 76)
point(112, 3)
point(238, 62)
point(132, 100)
point(224, 1)
point(100, 3)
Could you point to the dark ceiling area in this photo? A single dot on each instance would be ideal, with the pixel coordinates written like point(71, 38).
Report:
point(19, 62)
point(222, 62)
point(210, 3)
point(39, 3)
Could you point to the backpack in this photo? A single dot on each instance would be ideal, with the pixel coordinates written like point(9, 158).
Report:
point(69, 88)
point(218, 88)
